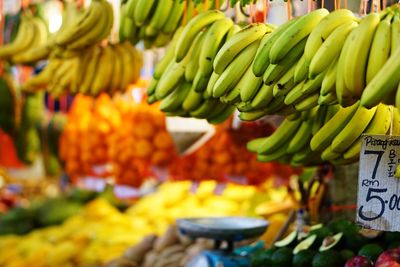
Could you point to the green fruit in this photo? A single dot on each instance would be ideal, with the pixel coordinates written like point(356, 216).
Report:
point(282, 257)
point(394, 244)
point(304, 258)
point(342, 226)
point(346, 254)
point(371, 251)
point(354, 241)
point(328, 258)
point(331, 242)
point(263, 258)
point(321, 234)
point(390, 237)
point(305, 244)
point(287, 241)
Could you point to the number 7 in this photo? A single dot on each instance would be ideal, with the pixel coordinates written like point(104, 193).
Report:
point(378, 159)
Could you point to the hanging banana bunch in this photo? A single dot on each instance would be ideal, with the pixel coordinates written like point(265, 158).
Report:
point(108, 69)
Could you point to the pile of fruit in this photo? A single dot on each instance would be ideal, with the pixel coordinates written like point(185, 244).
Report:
point(170, 249)
point(91, 236)
point(225, 158)
point(143, 141)
point(326, 133)
point(91, 121)
point(340, 243)
point(129, 137)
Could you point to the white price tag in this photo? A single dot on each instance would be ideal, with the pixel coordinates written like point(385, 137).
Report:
point(378, 202)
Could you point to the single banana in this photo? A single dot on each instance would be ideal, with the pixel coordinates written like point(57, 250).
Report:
point(275, 71)
point(301, 138)
point(307, 103)
point(191, 30)
point(261, 60)
point(168, 57)
point(295, 95)
point(222, 116)
point(252, 115)
point(213, 41)
point(322, 31)
point(102, 79)
point(328, 84)
point(353, 129)
point(92, 66)
point(43, 78)
point(384, 82)
point(319, 116)
point(117, 70)
point(330, 49)
point(193, 65)
point(263, 97)
point(211, 82)
point(248, 85)
point(380, 48)
point(192, 101)
point(285, 83)
point(395, 37)
point(323, 138)
point(313, 85)
point(328, 99)
point(142, 11)
point(175, 100)
point(282, 134)
point(174, 17)
point(238, 43)
point(231, 75)
point(205, 108)
point(162, 12)
point(301, 71)
point(172, 76)
point(273, 155)
point(356, 61)
point(295, 33)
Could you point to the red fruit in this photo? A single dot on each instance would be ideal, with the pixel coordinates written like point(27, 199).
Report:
point(389, 258)
point(358, 261)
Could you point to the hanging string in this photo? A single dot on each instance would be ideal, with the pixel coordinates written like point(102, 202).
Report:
point(289, 10)
point(335, 3)
point(309, 8)
point(265, 10)
point(323, 4)
point(345, 4)
point(205, 5)
point(217, 4)
point(384, 4)
point(365, 7)
point(252, 13)
point(379, 5)
point(185, 10)
point(339, 4)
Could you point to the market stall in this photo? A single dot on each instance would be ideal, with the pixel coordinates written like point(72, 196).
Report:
point(145, 133)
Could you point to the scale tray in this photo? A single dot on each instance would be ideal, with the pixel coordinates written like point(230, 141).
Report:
point(223, 228)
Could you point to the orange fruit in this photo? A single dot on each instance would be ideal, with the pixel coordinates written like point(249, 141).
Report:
point(162, 140)
point(143, 148)
point(144, 130)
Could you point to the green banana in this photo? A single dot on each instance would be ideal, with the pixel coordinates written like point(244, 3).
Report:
point(295, 33)
point(192, 28)
point(174, 100)
point(354, 128)
point(323, 138)
point(213, 41)
point(232, 74)
point(238, 43)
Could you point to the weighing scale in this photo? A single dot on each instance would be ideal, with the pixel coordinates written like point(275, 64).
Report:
point(224, 231)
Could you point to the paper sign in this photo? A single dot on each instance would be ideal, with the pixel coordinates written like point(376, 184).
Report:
point(378, 202)
point(189, 134)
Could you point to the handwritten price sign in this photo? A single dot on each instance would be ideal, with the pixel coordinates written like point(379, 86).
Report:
point(378, 203)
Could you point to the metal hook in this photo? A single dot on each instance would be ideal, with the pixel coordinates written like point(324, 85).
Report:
point(244, 12)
